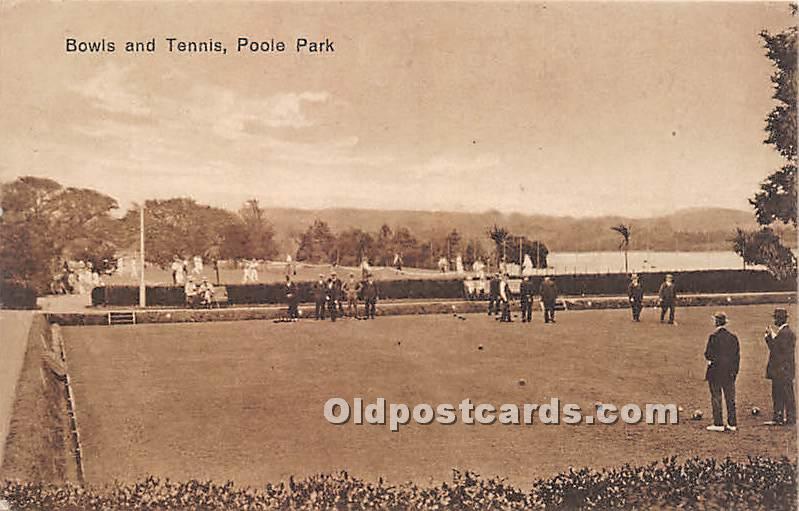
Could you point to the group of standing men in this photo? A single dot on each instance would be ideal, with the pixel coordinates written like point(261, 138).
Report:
point(500, 297)
point(667, 298)
point(723, 357)
point(329, 296)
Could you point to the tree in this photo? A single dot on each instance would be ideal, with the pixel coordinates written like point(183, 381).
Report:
point(353, 245)
point(624, 232)
point(317, 244)
point(453, 243)
point(763, 247)
point(260, 235)
point(499, 235)
point(777, 197)
point(182, 227)
point(42, 223)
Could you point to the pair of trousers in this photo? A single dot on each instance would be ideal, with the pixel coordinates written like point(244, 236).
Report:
point(783, 399)
point(493, 305)
point(636, 308)
point(527, 309)
point(549, 313)
point(505, 311)
point(371, 306)
point(332, 308)
point(352, 307)
point(717, 388)
point(320, 310)
point(667, 307)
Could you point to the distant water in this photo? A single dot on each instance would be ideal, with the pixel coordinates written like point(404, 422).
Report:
point(602, 262)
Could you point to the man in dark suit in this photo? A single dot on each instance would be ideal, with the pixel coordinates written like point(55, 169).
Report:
point(493, 295)
point(549, 296)
point(723, 360)
point(370, 292)
point(667, 296)
point(526, 293)
point(320, 296)
point(504, 299)
point(781, 369)
point(635, 291)
point(333, 295)
point(292, 298)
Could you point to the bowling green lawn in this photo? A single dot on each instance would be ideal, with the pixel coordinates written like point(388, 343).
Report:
point(243, 401)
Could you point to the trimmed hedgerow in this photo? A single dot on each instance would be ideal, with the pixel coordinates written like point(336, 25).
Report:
point(14, 295)
point(759, 483)
point(712, 281)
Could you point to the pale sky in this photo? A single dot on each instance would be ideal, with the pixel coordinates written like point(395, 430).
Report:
point(565, 109)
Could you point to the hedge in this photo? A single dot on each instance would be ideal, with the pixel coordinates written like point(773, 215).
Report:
point(713, 281)
point(759, 483)
point(14, 295)
point(243, 294)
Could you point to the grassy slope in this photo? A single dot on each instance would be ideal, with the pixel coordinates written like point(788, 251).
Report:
point(38, 443)
point(243, 401)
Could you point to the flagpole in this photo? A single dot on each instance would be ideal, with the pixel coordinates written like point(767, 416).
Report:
point(142, 288)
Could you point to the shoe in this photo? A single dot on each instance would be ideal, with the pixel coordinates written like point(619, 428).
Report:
point(732, 428)
point(715, 428)
point(775, 422)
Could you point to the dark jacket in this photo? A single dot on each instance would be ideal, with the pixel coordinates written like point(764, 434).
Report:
point(548, 292)
point(782, 350)
point(369, 291)
point(667, 294)
point(723, 352)
point(526, 290)
point(493, 287)
point(291, 293)
point(334, 289)
point(636, 293)
point(319, 291)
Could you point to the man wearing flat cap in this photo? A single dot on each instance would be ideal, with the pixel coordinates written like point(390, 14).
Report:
point(667, 296)
point(320, 296)
point(723, 360)
point(781, 369)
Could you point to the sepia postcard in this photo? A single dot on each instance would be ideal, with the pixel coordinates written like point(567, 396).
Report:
point(398, 255)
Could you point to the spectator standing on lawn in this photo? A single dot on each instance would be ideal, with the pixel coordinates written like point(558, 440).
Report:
point(292, 298)
point(370, 294)
point(635, 291)
point(723, 360)
point(493, 295)
point(549, 297)
point(176, 267)
point(504, 298)
point(351, 289)
point(320, 296)
point(365, 269)
point(667, 295)
point(526, 293)
point(198, 265)
point(334, 293)
point(781, 369)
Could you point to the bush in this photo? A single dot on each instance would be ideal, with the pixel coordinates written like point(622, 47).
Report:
point(759, 483)
point(14, 295)
point(715, 281)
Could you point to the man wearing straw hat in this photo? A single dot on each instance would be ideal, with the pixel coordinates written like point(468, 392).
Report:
point(781, 369)
point(723, 360)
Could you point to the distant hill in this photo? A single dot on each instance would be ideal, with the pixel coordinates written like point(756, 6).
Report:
point(693, 229)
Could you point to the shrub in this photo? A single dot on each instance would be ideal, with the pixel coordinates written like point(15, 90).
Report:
point(759, 483)
point(714, 281)
point(14, 295)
